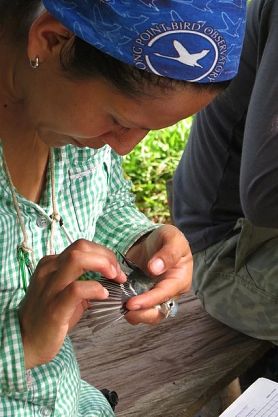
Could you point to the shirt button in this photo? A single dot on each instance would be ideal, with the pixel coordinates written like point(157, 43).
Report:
point(42, 222)
point(45, 412)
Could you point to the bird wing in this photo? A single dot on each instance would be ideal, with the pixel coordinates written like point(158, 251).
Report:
point(104, 313)
point(112, 309)
point(182, 51)
point(200, 55)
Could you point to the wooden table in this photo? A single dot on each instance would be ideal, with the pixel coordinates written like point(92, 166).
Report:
point(170, 370)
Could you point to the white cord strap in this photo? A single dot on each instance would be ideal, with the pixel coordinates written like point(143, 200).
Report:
point(56, 218)
point(25, 243)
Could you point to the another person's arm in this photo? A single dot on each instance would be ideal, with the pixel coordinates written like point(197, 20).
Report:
point(259, 164)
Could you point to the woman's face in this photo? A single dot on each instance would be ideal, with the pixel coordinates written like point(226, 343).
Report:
point(89, 113)
point(93, 114)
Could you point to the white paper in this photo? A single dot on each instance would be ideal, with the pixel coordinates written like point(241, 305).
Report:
point(259, 400)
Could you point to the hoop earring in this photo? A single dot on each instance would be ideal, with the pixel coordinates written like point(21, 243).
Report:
point(35, 63)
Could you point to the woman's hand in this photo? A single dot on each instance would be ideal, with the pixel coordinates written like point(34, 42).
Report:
point(56, 299)
point(165, 253)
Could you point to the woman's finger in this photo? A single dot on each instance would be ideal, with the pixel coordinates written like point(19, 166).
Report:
point(74, 263)
point(74, 294)
point(147, 316)
point(173, 283)
point(173, 247)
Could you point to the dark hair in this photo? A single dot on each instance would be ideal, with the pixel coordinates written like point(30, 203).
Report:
point(16, 17)
point(80, 60)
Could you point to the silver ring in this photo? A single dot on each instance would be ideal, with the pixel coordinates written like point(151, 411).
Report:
point(169, 308)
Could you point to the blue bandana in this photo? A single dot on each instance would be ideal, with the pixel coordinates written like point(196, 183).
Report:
point(192, 40)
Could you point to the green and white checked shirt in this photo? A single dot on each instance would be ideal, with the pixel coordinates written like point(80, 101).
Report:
point(95, 203)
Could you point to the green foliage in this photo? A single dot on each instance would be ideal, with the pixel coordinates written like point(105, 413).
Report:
point(152, 163)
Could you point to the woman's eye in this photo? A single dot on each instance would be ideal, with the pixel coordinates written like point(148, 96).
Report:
point(122, 128)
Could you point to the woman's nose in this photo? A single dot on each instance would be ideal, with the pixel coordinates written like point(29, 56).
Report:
point(135, 136)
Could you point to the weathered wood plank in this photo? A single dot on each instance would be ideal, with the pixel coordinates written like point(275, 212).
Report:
point(167, 370)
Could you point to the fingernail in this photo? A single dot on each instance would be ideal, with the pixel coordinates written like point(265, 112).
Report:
point(123, 276)
point(106, 292)
point(157, 266)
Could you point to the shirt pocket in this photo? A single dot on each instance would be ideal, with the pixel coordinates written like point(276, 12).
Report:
point(88, 190)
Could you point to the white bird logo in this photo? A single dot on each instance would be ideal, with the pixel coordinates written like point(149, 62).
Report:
point(186, 57)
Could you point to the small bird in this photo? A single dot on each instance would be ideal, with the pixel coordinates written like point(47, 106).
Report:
point(104, 313)
point(186, 57)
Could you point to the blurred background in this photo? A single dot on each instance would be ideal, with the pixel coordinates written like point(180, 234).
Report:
point(151, 164)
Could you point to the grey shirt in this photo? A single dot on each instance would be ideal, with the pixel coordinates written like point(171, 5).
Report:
point(230, 166)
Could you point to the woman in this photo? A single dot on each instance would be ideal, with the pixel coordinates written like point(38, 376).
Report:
point(72, 101)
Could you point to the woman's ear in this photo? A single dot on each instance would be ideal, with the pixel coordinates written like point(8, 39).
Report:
point(46, 37)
